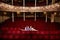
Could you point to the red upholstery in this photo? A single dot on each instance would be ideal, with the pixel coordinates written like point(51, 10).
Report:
point(46, 31)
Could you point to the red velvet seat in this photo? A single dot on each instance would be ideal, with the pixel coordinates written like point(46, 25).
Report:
point(45, 30)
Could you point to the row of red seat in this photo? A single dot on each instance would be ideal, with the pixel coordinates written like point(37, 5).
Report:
point(27, 36)
point(17, 30)
point(11, 30)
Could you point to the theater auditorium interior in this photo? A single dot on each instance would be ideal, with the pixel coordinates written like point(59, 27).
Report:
point(29, 19)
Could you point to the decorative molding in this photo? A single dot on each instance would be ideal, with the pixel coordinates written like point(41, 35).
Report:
point(7, 7)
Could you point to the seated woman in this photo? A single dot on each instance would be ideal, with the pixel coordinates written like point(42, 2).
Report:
point(32, 29)
point(27, 28)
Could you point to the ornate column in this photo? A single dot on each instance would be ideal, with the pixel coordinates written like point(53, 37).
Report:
point(35, 7)
point(46, 12)
point(23, 12)
point(46, 2)
point(53, 1)
point(12, 14)
point(53, 16)
point(24, 16)
point(45, 16)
